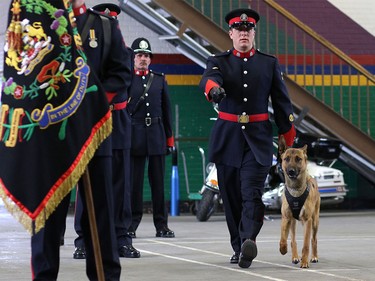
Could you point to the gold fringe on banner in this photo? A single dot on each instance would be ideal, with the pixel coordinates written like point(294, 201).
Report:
point(65, 187)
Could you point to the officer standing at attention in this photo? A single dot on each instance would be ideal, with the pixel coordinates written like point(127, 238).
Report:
point(241, 81)
point(116, 77)
point(121, 144)
point(113, 71)
point(152, 138)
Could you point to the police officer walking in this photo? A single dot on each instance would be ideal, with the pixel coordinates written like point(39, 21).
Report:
point(241, 81)
point(152, 138)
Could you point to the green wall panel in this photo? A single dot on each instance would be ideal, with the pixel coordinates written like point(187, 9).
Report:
point(194, 125)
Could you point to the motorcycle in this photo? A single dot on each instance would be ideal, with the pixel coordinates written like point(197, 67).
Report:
point(210, 195)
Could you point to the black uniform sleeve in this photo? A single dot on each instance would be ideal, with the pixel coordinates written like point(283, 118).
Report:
point(117, 73)
point(211, 77)
point(167, 114)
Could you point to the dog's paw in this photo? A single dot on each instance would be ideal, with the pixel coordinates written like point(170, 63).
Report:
point(314, 260)
point(304, 262)
point(295, 260)
point(283, 248)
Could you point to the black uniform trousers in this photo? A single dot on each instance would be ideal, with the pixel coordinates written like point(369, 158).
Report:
point(45, 248)
point(122, 195)
point(122, 200)
point(78, 209)
point(45, 245)
point(241, 190)
point(156, 171)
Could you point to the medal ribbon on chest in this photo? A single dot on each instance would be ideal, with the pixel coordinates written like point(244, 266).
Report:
point(93, 40)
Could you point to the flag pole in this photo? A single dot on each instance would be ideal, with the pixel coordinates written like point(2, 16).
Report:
point(93, 227)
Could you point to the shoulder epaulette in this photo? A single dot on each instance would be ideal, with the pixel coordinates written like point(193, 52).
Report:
point(268, 55)
point(91, 10)
point(157, 73)
point(226, 53)
point(106, 9)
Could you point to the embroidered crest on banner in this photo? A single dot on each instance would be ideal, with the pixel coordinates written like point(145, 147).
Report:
point(28, 42)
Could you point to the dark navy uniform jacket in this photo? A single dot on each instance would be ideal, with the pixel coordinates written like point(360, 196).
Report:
point(248, 83)
point(120, 118)
point(155, 138)
point(114, 73)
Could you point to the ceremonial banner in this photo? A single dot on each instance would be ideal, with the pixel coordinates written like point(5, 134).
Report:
point(54, 113)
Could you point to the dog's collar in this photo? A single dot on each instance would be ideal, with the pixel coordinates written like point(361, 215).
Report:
point(296, 203)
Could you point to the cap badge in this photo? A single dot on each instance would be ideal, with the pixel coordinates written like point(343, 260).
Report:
point(291, 118)
point(243, 17)
point(143, 45)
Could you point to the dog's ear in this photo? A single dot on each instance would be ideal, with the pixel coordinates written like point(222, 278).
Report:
point(304, 148)
point(282, 145)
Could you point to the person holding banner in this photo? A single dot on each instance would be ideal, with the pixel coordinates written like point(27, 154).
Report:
point(116, 79)
point(113, 70)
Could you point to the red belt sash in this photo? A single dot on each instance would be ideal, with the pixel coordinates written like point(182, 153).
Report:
point(243, 118)
point(118, 106)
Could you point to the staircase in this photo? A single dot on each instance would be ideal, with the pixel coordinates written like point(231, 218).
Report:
point(315, 71)
point(169, 29)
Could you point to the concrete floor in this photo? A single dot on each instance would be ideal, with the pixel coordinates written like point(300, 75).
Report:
point(201, 251)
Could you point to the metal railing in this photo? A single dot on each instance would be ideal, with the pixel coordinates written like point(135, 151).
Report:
point(217, 9)
point(308, 59)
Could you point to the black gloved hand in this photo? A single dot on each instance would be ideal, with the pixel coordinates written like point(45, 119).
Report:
point(169, 150)
point(217, 94)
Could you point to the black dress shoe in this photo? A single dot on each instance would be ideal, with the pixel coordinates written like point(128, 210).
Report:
point(79, 253)
point(235, 258)
point(128, 251)
point(248, 252)
point(132, 234)
point(165, 232)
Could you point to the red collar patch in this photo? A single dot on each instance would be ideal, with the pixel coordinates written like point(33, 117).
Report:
point(80, 10)
point(141, 72)
point(244, 55)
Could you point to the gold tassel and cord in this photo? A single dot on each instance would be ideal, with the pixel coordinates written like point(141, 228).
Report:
point(14, 32)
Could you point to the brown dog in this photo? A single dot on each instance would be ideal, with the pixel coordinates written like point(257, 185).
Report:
point(300, 201)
